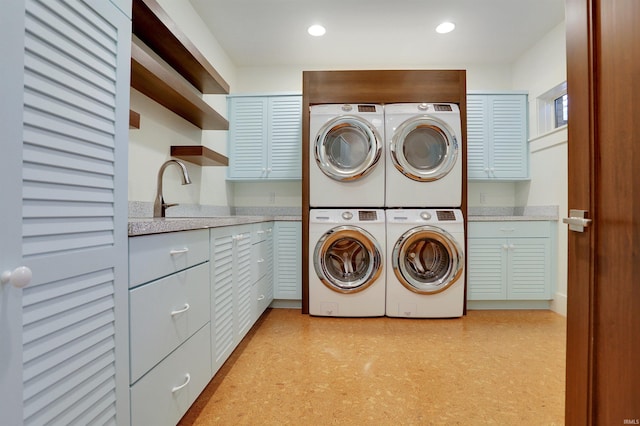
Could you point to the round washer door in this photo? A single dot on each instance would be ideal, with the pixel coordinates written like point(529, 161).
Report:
point(424, 148)
point(347, 259)
point(347, 148)
point(427, 260)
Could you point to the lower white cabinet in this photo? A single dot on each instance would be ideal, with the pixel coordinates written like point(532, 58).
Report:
point(231, 311)
point(169, 307)
point(287, 277)
point(163, 395)
point(164, 314)
point(511, 260)
point(193, 297)
point(262, 270)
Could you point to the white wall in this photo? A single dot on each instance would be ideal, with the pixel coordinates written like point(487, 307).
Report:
point(161, 128)
point(540, 69)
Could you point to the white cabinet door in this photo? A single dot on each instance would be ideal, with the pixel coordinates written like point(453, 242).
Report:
point(477, 137)
point(265, 137)
point(222, 282)
point(64, 118)
point(497, 132)
point(487, 273)
point(242, 271)
point(529, 269)
point(287, 242)
point(285, 138)
point(509, 153)
point(512, 268)
point(248, 138)
point(231, 301)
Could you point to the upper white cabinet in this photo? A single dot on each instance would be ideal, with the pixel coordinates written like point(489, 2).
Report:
point(265, 137)
point(497, 136)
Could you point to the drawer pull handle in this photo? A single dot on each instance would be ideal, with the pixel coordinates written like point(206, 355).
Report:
point(260, 232)
point(261, 297)
point(260, 260)
point(507, 229)
point(182, 386)
point(179, 251)
point(179, 311)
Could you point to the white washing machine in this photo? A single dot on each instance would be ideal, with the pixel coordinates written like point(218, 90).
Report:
point(346, 269)
point(346, 156)
point(424, 155)
point(425, 263)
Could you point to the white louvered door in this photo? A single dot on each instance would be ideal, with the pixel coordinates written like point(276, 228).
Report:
point(64, 193)
point(285, 137)
point(248, 138)
point(287, 242)
point(509, 157)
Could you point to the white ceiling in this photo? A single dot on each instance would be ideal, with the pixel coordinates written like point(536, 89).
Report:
point(378, 33)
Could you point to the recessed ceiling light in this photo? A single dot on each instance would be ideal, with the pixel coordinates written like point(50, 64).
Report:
point(316, 30)
point(445, 27)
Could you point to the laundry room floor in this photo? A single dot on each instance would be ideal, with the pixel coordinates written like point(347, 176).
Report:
point(489, 367)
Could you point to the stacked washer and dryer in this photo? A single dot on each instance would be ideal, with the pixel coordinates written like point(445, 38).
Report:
point(386, 233)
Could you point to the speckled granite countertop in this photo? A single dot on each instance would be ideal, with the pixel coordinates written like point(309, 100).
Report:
point(490, 214)
point(149, 225)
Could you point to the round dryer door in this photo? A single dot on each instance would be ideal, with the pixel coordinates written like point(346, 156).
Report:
point(347, 259)
point(424, 149)
point(427, 260)
point(347, 148)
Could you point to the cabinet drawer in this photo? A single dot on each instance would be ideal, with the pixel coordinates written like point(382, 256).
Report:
point(509, 229)
point(261, 231)
point(259, 261)
point(165, 313)
point(158, 255)
point(262, 293)
point(166, 393)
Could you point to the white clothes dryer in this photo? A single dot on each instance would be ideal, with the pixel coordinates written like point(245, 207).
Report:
point(346, 269)
point(346, 155)
point(424, 155)
point(425, 263)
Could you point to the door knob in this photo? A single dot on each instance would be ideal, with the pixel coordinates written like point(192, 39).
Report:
point(19, 278)
point(577, 220)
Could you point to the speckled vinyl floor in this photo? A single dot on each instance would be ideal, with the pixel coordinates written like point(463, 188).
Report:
point(488, 368)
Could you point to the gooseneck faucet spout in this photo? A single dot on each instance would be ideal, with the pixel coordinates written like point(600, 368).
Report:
point(159, 206)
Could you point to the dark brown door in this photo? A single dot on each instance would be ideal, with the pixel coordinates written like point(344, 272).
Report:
point(603, 318)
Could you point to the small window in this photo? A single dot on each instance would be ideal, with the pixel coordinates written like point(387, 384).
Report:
point(553, 109)
point(561, 110)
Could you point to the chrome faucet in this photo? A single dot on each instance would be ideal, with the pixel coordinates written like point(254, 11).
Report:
point(159, 206)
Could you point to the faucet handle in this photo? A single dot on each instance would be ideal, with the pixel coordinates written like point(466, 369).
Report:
point(166, 206)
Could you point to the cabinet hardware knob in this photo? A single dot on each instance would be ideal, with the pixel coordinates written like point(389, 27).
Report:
point(19, 277)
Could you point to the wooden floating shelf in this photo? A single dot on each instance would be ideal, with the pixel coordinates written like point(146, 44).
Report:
point(158, 31)
point(134, 120)
point(154, 80)
point(200, 155)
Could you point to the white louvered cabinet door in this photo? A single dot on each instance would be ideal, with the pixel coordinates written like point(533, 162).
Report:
point(285, 137)
point(64, 350)
point(497, 132)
